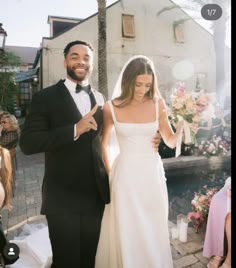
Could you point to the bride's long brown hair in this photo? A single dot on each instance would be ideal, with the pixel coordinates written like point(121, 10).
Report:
point(138, 66)
point(6, 175)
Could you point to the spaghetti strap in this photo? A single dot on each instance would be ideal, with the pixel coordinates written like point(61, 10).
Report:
point(112, 110)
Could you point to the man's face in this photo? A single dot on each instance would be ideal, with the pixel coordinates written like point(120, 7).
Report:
point(78, 63)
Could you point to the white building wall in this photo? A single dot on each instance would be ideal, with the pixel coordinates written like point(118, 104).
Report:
point(154, 38)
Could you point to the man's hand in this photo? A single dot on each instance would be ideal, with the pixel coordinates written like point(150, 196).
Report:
point(87, 122)
point(156, 141)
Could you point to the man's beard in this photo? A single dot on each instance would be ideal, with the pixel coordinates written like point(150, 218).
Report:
point(74, 76)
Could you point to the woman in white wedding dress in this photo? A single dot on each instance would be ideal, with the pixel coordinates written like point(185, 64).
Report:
point(134, 232)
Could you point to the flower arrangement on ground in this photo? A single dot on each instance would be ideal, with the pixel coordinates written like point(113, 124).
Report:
point(192, 107)
point(200, 207)
point(214, 146)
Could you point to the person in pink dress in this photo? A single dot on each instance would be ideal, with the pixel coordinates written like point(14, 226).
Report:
point(217, 243)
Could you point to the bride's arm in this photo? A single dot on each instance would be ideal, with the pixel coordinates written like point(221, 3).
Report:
point(169, 136)
point(107, 127)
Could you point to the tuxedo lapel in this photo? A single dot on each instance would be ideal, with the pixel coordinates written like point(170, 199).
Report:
point(69, 102)
point(97, 98)
point(92, 99)
point(97, 115)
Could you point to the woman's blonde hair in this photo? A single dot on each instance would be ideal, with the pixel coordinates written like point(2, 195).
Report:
point(6, 175)
point(12, 121)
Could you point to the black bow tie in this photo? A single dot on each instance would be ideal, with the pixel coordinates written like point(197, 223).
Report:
point(87, 88)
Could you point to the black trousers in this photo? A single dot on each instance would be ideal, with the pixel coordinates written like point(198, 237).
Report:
point(74, 239)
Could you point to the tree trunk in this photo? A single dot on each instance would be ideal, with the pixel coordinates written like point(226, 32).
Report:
point(102, 49)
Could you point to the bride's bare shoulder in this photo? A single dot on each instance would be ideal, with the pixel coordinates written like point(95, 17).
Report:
point(108, 103)
point(159, 101)
point(116, 102)
point(107, 107)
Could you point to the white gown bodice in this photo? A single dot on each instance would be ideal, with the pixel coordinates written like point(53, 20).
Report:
point(135, 138)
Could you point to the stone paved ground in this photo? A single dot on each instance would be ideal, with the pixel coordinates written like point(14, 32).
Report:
point(26, 209)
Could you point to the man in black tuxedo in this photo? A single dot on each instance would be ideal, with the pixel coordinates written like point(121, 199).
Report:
point(65, 122)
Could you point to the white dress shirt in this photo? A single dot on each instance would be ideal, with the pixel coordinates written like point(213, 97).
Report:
point(81, 100)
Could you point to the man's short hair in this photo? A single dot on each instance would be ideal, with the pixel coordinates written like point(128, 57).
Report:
point(77, 42)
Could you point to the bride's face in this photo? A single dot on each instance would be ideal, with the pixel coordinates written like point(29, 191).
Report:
point(142, 85)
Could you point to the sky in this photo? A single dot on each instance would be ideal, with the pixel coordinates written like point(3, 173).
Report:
point(25, 21)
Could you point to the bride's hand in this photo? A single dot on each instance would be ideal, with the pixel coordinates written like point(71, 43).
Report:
point(194, 128)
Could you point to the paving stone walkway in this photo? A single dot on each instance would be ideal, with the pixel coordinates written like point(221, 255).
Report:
point(27, 202)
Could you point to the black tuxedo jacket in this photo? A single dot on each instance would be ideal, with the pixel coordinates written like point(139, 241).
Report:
point(75, 179)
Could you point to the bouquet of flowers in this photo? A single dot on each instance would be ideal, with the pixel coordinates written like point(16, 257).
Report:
point(200, 206)
point(192, 107)
point(183, 107)
point(214, 146)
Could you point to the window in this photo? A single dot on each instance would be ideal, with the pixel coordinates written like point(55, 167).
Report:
point(128, 29)
point(25, 93)
point(179, 32)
